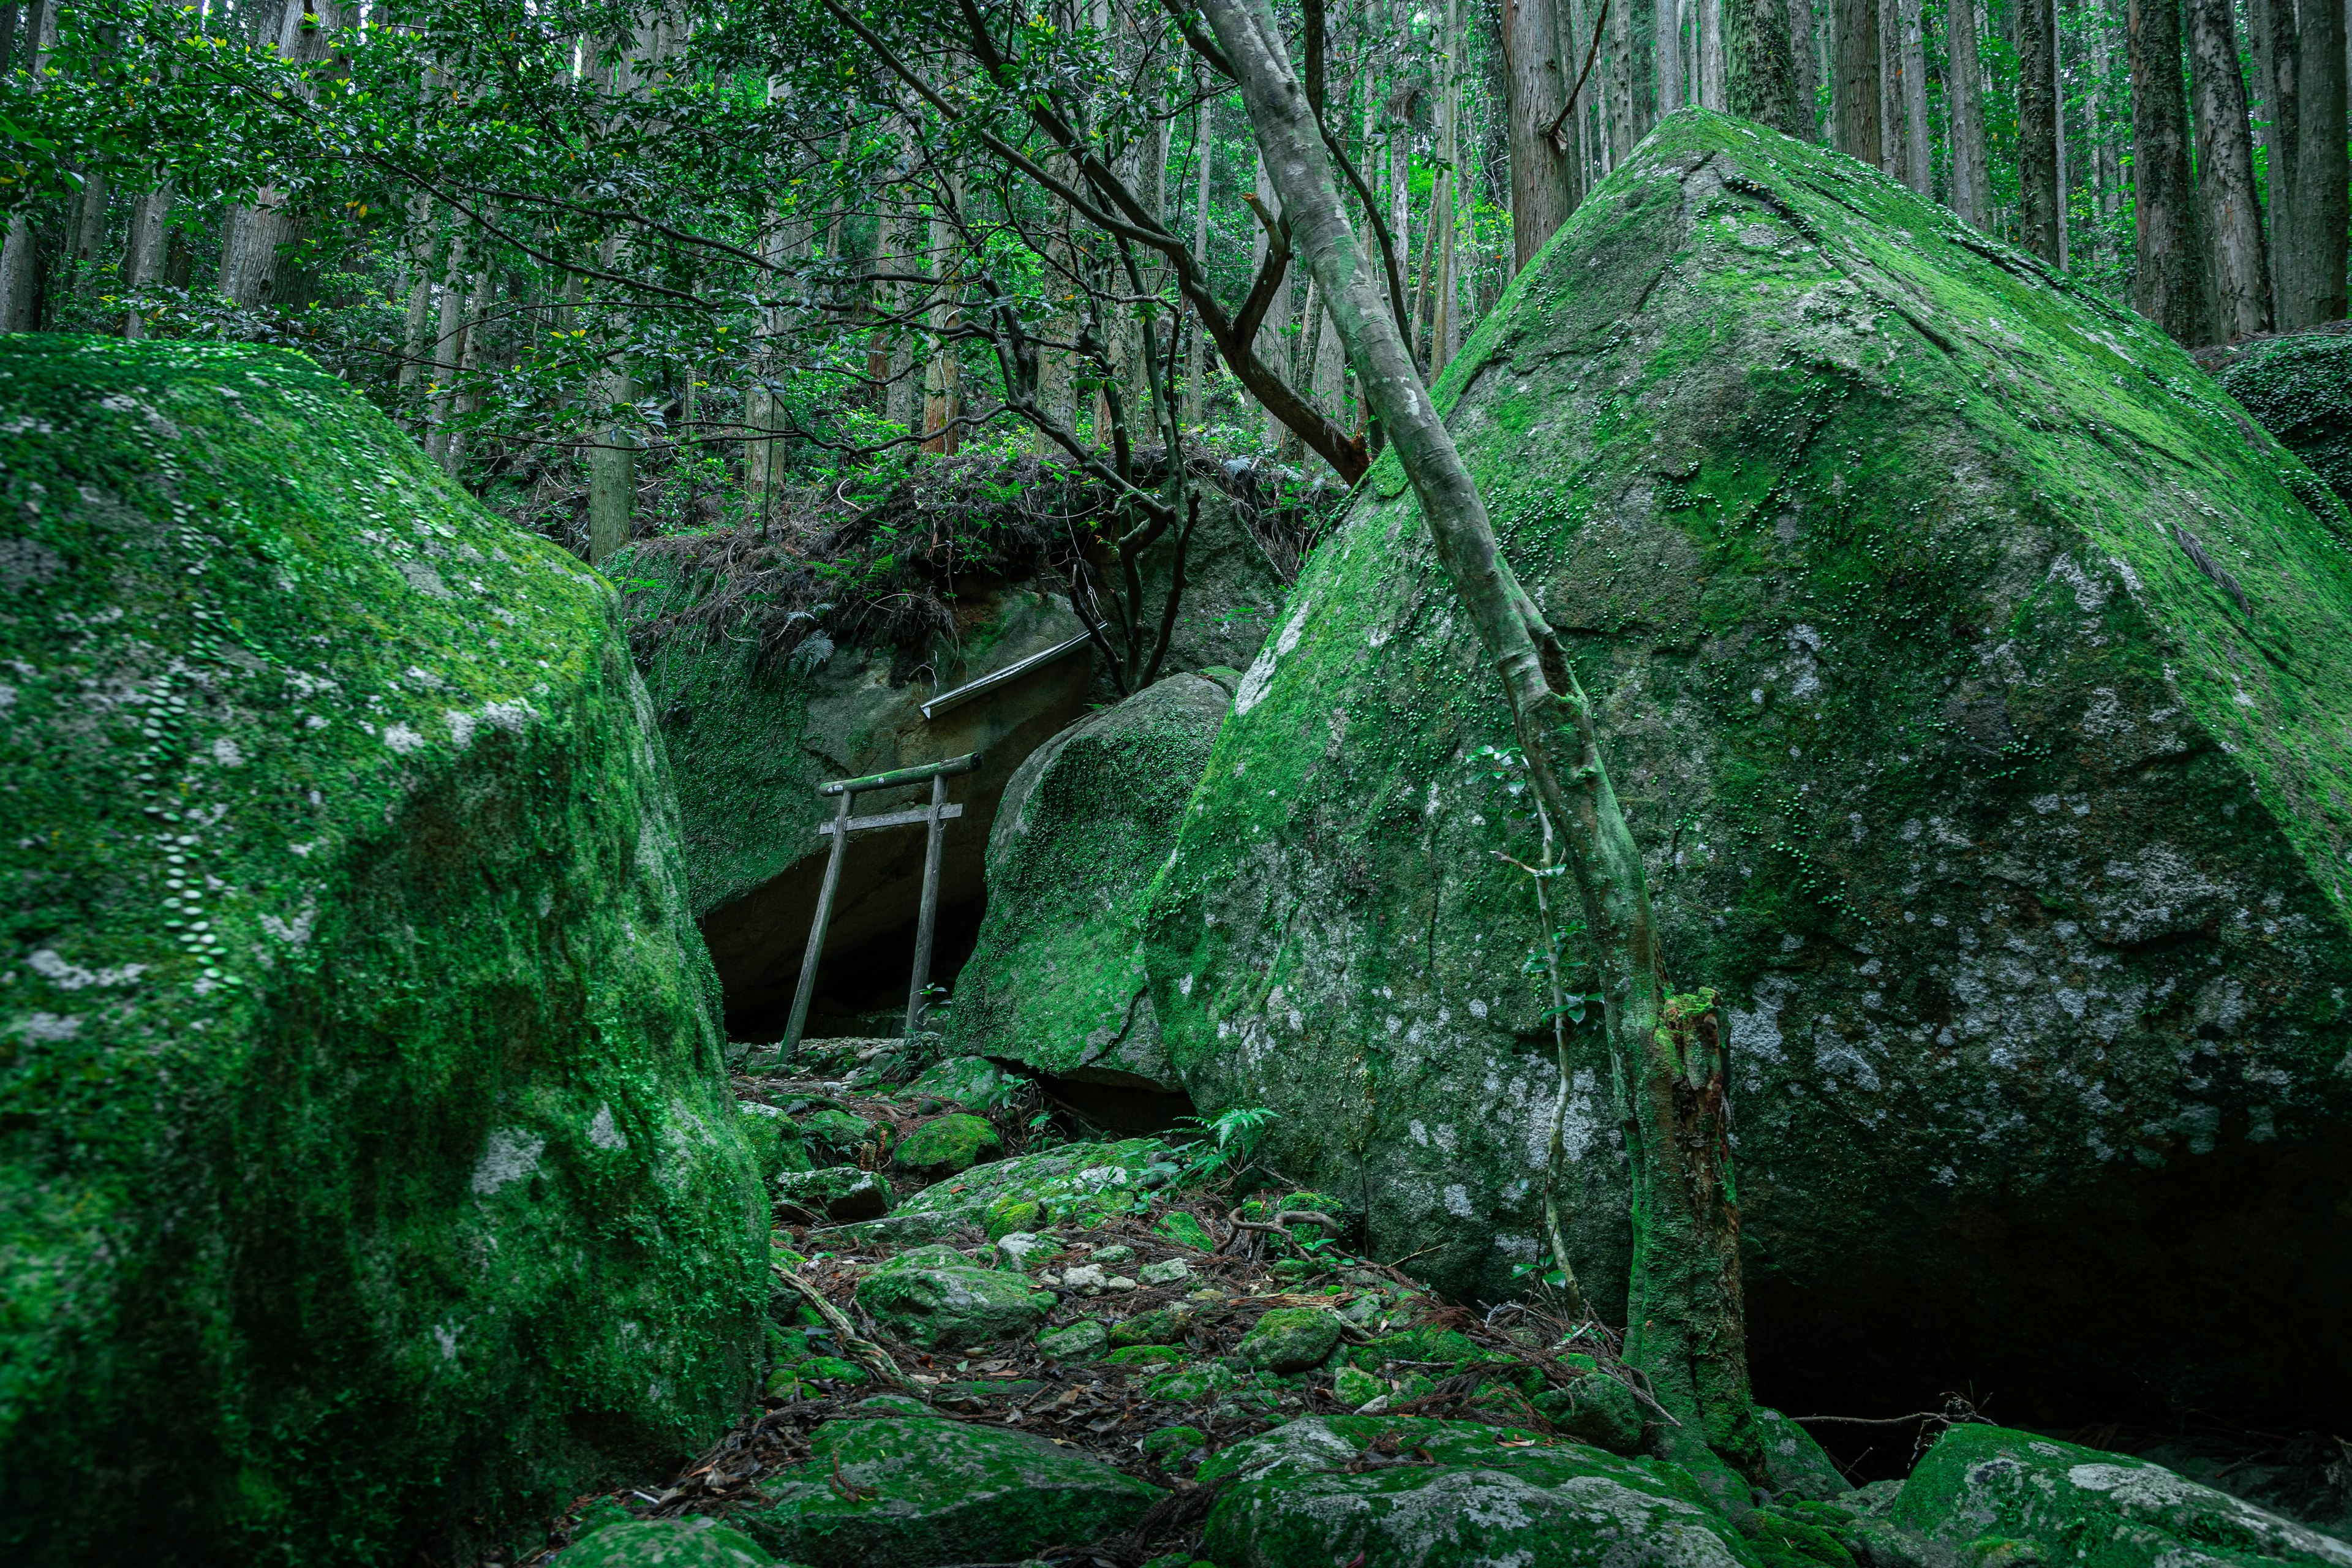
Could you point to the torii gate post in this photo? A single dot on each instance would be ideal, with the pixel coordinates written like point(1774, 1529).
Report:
point(934, 816)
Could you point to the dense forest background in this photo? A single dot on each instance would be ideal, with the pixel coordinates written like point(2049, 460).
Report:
point(630, 270)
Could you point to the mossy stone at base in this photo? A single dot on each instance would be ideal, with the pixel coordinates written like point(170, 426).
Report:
point(776, 1144)
point(368, 1174)
point(1452, 1495)
point(1148, 1356)
point(1085, 1340)
point(2072, 1507)
point(953, 1307)
point(1596, 1409)
point(1171, 1447)
point(1289, 1339)
point(1185, 1231)
point(914, 1491)
point(1796, 1465)
point(1352, 1388)
point(835, 1129)
point(1784, 1540)
point(690, 1542)
point(946, 1144)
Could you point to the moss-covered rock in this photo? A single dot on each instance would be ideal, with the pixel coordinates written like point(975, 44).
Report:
point(946, 1144)
point(688, 1542)
point(1996, 1494)
point(1056, 982)
point(1966, 667)
point(953, 1306)
point(841, 1194)
point(973, 1082)
point(1071, 1184)
point(1289, 1339)
point(1161, 1326)
point(776, 1144)
point(910, 1492)
point(1085, 1340)
point(2300, 388)
point(1190, 1385)
point(1596, 1409)
point(366, 1162)
point(1402, 1492)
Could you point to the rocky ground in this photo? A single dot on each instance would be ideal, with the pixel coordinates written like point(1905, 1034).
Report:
point(993, 1344)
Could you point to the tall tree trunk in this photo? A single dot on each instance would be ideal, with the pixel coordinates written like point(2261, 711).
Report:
point(2170, 287)
point(2228, 206)
point(1543, 182)
point(413, 343)
point(1196, 391)
point(1665, 57)
point(1273, 343)
point(2105, 158)
point(144, 249)
point(470, 369)
point(942, 378)
point(1854, 88)
point(1710, 54)
point(2271, 23)
point(2317, 215)
point(2037, 126)
point(1918, 158)
point(1971, 175)
point(1624, 132)
point(1806, 60)
point(1685, 1312)
point(448, 347)
point(21, 256)
point(1890, 87)
point(256, 270)
point(1761, 69)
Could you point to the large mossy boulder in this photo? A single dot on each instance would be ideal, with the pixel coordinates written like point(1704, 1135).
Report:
point(1410, 1492)
point(1971, 672)
point(367, 1171)
point(1056, 982)
point(1993, 1494)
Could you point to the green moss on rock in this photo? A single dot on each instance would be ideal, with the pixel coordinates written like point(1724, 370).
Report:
point(1440, 1494)
point(1966, 667)
point(973, 1082)
point(1289, 1339)
point(1056, 982)
point(367, 1171)
point(914, 1491)
point(1070, 1184)
point(946, 1144)
point(1984, 1489)
point(690, 1542)
point(945, 1306)
point(2300, 388)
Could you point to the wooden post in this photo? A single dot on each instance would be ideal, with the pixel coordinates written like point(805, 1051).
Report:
point(926, 922)
point(805, 991)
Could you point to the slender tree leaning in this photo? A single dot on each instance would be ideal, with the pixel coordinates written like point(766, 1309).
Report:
point(1685, 1325)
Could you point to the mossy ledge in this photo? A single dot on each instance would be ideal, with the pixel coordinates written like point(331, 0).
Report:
point(366, 1171)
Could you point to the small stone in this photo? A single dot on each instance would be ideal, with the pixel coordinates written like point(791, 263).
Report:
point(947, 1144)
point(1161, 1326)
point(1187, 1385)
point(1118, 1253)
point(841, 1194)
point(1023, 1250)
point(1596, 1409)
point(1354, 1388)
point(895, 1404)
point(1119, 1282)
point(1290, 1338)
point(1167, 1272)
point(1087, 1277)
point(1148, 1356)
point(945, 1307)
point(1083, 1341)
point(1171, 1447)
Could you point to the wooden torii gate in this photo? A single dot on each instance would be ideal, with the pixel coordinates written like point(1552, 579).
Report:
point(843, 824)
